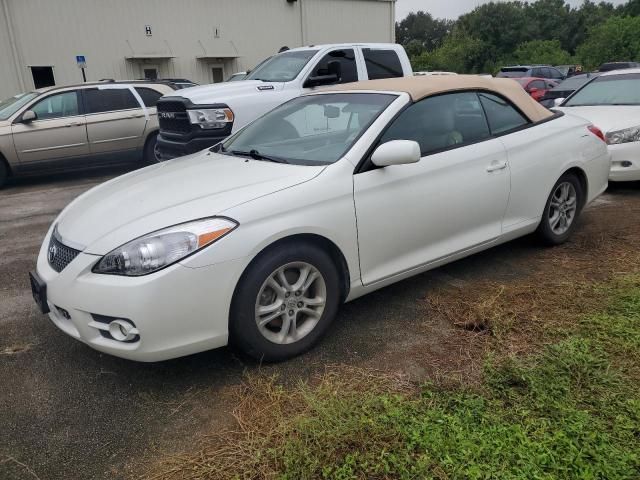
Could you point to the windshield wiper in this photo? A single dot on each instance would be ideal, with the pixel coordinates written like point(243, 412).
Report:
point(256, 155)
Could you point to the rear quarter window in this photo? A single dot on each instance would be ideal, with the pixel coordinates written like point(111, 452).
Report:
point(149, 96)
point(501, 115)
point(382, 64)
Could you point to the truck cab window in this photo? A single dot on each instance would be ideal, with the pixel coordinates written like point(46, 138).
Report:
point(382, 63)
point(346, 60)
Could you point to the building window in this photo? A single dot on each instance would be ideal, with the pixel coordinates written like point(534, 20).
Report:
point(150, 73)
point(43, 77)
point(218, 74)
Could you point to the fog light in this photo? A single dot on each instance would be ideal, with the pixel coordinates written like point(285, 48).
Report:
point(122, 330)
point(625, 164)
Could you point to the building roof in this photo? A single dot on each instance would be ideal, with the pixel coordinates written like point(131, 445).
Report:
point(426, 86)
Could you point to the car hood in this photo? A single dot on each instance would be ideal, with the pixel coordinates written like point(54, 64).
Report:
point(181, 190)
point(226, 91)
point(607, 118)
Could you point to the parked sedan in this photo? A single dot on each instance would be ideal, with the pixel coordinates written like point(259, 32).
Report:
point(613, 101)
point(77, 126)
point(256, 242)
point(536, 87)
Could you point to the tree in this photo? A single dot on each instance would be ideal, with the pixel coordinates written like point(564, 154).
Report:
point(459, 53)
point(541, 52)
point(618, 39)
point(422, 29)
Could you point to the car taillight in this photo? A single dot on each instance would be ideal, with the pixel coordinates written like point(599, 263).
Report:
point(597, 132)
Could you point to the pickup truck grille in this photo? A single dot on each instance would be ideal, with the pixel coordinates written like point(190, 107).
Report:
point(172, 116)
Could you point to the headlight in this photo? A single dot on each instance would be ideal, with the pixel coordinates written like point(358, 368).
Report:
point(209, 119)
point(624, 136)
point(162, 248)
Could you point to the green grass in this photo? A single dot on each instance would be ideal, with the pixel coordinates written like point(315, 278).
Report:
point(571, 412)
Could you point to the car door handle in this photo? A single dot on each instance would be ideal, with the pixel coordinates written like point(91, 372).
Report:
point(136, 115)
point(495, 166)
point(73, 124)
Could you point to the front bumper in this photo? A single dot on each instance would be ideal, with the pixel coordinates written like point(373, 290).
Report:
point(625, 162)
point(169, 148)
point(177, 311)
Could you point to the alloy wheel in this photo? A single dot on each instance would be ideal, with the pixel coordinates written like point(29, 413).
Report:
point(290, 303)
point(563, 208)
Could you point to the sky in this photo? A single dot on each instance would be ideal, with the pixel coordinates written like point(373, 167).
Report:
point(452, 8)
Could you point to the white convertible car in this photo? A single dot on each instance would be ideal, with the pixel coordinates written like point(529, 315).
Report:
point(324, 199)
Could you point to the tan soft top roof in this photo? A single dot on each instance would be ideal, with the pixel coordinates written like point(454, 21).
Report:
point(419, 87)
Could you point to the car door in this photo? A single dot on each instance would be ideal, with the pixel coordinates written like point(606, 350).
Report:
point(59, 130)
point(116, 121)
point(527, 149)
point(453, 199)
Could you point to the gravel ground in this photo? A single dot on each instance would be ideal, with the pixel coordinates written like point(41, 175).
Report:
point(68, 412)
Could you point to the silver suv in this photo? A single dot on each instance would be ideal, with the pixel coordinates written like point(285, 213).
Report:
point(78, 126)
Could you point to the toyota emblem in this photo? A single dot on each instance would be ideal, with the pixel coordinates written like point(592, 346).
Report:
point(53, 251)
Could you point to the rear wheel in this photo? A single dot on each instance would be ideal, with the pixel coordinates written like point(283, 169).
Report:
point(562, 210)
point(284, 302)
point(151, 152)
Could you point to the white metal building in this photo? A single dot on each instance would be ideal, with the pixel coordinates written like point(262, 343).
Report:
point(202, 40)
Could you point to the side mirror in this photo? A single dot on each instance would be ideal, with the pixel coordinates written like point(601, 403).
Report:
point(558, 101)
point(318, 80)
point(396, 152)
point(29, 116)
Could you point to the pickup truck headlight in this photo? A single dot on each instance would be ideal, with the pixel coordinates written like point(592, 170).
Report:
point(162, 248)
point(211, 118)
point(624, 136)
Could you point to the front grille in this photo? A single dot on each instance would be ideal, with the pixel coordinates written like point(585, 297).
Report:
point(59, 255)
point(173, 117)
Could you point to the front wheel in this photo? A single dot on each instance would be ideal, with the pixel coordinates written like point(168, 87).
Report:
point(562, 210)
point(284, 302)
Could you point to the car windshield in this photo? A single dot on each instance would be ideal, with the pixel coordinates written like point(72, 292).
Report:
point(283, 67)
point(11, 105)
point(573, 83)
point(608, 90)
point(311, 130)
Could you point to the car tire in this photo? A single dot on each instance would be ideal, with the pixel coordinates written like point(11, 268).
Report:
point(264, 304)
point(150, 153)
point(562, 210)
point(4, 172)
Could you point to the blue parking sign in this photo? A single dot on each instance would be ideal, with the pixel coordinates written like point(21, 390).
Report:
point(81, 61)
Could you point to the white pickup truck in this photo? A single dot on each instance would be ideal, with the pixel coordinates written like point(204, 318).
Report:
point(197, 118)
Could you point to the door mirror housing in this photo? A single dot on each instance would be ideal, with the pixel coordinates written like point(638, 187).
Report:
point(396, 152)
point(558, 101)
point(318, 80)
point(29, 116)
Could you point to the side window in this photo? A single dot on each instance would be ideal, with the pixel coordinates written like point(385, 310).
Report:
point(342, 61)
point(441, 122)
point(502, 116)
point(537, 84)
point(149, 96)
point(57, 106)
point(536, 72)
point(382, 63)
point(109, 100)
